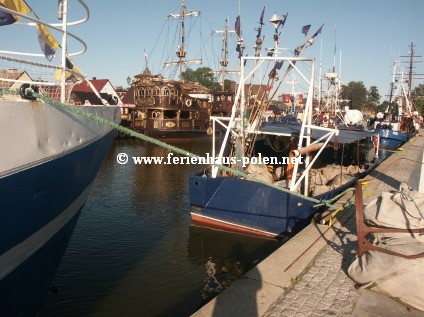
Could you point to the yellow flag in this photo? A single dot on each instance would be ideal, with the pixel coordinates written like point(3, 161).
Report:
point(15, 5)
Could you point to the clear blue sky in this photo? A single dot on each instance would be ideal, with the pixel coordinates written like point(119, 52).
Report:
point(370, 33)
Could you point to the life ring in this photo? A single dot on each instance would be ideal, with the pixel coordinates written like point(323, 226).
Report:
point(188, 102)
point(26, 94)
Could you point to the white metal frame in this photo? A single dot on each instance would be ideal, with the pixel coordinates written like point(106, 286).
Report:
point(60, 27)
point(237, 126)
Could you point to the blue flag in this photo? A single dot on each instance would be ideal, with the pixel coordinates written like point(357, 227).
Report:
point(15, 5)
point(305, 29)
point(47, 42)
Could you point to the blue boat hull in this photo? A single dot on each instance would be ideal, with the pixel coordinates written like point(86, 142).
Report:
point(251, 207)
point(390, 139)
point(39, 207)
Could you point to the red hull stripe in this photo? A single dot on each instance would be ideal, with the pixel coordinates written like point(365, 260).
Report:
point(230, 226)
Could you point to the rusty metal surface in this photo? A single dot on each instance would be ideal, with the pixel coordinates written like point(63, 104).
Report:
point(363, 230)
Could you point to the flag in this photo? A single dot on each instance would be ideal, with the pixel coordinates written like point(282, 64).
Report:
point(305, 29)
point(237, 26)
point(71, 66)
point(47, 42)
point(284, 20)
point(318, 32)
point(261, 20)
point(15, 5)
point(146, 56)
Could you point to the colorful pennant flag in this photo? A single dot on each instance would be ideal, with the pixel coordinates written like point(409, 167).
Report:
point(305, 29)
point(318, 32)
point(237, 26)
point(71, 66)
point(15, 5)
point(47, 42)
point(261, 20)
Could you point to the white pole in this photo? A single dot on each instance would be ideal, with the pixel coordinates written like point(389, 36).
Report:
point(64, 49)
point(319, 78)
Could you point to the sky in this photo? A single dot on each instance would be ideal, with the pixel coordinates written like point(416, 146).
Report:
point(370, 34)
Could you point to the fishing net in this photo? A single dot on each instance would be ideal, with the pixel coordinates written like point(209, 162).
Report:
point(20, 74)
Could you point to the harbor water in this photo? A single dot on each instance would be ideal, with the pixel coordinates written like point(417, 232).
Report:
point(134, 251)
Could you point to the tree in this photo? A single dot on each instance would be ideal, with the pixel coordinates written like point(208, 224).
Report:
point(229, 84)
point(203, 76)
point(373, 98)
point(356, 92)
point(418, 98)
point(383, 106)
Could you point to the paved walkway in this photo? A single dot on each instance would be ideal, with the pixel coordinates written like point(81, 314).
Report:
point(297, 280)
point(325, 289)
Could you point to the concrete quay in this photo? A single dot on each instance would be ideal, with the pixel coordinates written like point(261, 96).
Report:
point(307, 275)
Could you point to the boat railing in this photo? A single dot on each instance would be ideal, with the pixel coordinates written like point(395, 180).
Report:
point(237, 126)
point(54, 81)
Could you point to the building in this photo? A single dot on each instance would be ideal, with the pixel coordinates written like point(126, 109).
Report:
point(16, 75)
point(83, 94)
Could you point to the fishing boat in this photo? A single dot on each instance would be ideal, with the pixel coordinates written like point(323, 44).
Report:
point(50, 158)
point(271, 198)
point(400, 121)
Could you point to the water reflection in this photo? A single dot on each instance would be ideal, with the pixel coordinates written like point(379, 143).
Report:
point(134, 253)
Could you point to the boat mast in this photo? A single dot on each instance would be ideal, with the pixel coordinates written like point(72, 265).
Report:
point(411, 62)
point(63, 15)
point(224, 61)
point(181, 53)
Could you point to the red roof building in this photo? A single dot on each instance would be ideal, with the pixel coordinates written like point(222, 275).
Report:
point(103, 86)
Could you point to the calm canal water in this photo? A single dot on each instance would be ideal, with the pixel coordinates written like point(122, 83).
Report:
point(134, 251)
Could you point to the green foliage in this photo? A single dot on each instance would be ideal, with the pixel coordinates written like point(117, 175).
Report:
point(203, 76)
point(418, 98)
point(356, 93)
point(229, 84)
point(373, 98)
point(383, 106)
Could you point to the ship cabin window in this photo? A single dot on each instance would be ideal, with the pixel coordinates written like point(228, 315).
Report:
point(140, 92)
point(125, 110)
point(155, 114)
point(156, 91)
point(218, 98)
point(194, 103)
point(173, 91)
point(185, 115)
point(173, 101)
point(165, 91)
point(170, 114)
point(149, 92)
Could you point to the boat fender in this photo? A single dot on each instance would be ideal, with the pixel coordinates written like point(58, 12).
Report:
point(112, 100)
point(26, 91)
point(188, 102)
point(209, 131)
point(375, 140)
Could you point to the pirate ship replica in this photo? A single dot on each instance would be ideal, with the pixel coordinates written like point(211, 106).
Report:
point(171, 108)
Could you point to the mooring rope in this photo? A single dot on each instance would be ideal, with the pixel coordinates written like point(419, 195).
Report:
point(171, 148)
